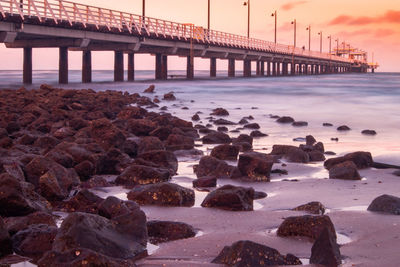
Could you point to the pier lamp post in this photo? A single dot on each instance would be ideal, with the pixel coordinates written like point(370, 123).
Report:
point(309, 37)
point(276, 19)
point(330, 44)
point(247, 3)
point(294, 23)
point(320, 41)
point(337, 46)
point(208, 20)
point(143, 8)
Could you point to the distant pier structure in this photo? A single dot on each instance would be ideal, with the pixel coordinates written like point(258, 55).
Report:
point(71, 26)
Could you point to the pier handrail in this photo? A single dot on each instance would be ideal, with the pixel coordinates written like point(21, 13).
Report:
point(60, 11)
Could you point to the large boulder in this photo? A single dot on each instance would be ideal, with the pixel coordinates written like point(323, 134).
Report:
point(229, 197)
point(247, 253)
point(83, 201)
point(16, 224)
point(106, 134)
point(346, 171)
point(149, 143)
point(225, 152)
point(161, 159)
point(313, 207)
point(139, 174)
point(141, 127)
point(164, 231)
point(34, 241)
point(205, 182)
point(210, 166)
point(307, 225)
point(5, 241)
point(93, 232)
point(256, 166)
point(179, 142)
point(220, 112)
point(325, 251)
point(216, 138)
point(162, 194)
point(361, 159)
point(385, 203)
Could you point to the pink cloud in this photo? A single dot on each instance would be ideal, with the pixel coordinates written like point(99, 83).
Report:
point(391, 16)
point(292, 5)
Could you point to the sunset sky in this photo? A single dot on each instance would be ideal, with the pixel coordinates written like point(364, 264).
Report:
point(371, 25)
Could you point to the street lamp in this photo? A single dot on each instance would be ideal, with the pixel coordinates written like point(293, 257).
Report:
point(330, 44)
point(208, 21)
point(276, 18)
point(143, 8)
point(309, 37)
point(337, 46)
point(247, 3)
point(320, 41)
point(294, 23)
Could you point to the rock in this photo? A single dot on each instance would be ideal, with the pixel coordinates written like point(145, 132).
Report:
point(169, 96)
point(346, 171)
point(327, 124)
point(205, 182)
point(195, 117)
point(150, 89)
point(369, 132)
point(149, 143)
point(160, 158)
point(179, 142)
point(5, 241)
point(316, 156)
point(78, 257)
point(216, 138)
point(297, 155)
point(314, 207)
point(15, 170)
point(83, 201)
point(222, 129)
point(343, 128)
point(361, 159)
point(335, 139)
point(257, 134)
point(259, 195)
point(95, 181)
point(113, 207)
point(34, 241)
point(106, 134)
point(310, 140)
point(141, 127)
point(161, 132)
point(325, 251)
point(139, 174)
point(162, 194)
point(256, 166)
point(243, 121)
point(248, 253)
point(16, 224)
point(280, 171)
point(285, 119)
point(252, 126)
point(210, 166)
point(243, 138)
point(61, 157)
point(300, 123)
point(223, 122)
point(229, 197)
point(225, 152)
point(164, 231)
point(306, 225)
point(108, 237)
point(85, 170)
point(397, 173)
point(220, 112)
point(386, 203)
point(319, 147)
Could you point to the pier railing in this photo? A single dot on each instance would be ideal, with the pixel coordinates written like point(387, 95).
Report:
point(66, 12)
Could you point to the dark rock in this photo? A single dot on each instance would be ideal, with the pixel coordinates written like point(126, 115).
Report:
point(216, 138)
point(346, 170)
point(222, 129)
point(259, 195)
point(106, 134)
point(257, 134)
point(248, 253)
point(15, 170)
point(162, 194)
point(195, 117)
point(131, 113)
point(369, 132)
point(161, 159)
point(243, 121)
point(325, 251)
point(179, 142)
point(330, 153)
point(149, 143)
point(169, 96)
point(141, 127)
point(210, 166)
point(205, 182)
point(5, 241)
point(108, 237)
point(85, 170)
point(297, 155)
point(316, 156)
point(307, 225)
point(61, 157)
point(220, 112)
point(229, 197)
point(310, 140)
point(34, 241)
point(16, 224)
point(95, 181)
point(326, 124)
point(83, 201)
point(252, 126)
point(139, 174)
point(164, 231)
point(206, 131)
point(397, 173)
point(386, 203)
point(285, 119)
point(314, 207)
point(256, 166)
point(361, 159)
point(56, 183)
point(300, 123)
point(225, 152)
point(280, 171)
point(150, 89)
point(319, 147)
point(243, 138)
point(343, 128)
point(162, 132)
point(335, 139)
point(223, 122)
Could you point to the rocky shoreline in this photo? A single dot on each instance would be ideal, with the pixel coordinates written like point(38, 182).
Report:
point(57, 145)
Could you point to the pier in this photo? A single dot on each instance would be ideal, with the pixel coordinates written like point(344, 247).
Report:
point(69, 26)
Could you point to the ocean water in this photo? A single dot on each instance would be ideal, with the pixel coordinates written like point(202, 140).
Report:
point(361, 101)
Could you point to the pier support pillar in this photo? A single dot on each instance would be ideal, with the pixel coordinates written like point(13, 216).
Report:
point(268, 68)
point(118, 66)
point(27, 72)
point(274, 68)
point(131, 66)
point(285, 69)
point(164, 67)
point(278, 69)
point(258, 68)
point(213, 67)
point(247, 68)
point(231, 67)
point(189, 68)
point(293, 69)
point(87, 66)
point(262, 68)
point(63, 65)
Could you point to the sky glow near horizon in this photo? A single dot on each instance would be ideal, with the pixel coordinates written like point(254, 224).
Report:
point(373, 26)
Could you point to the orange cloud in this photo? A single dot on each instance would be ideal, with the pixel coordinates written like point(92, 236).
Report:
point(292, 5)
point(391, 16)
point(384, 33)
